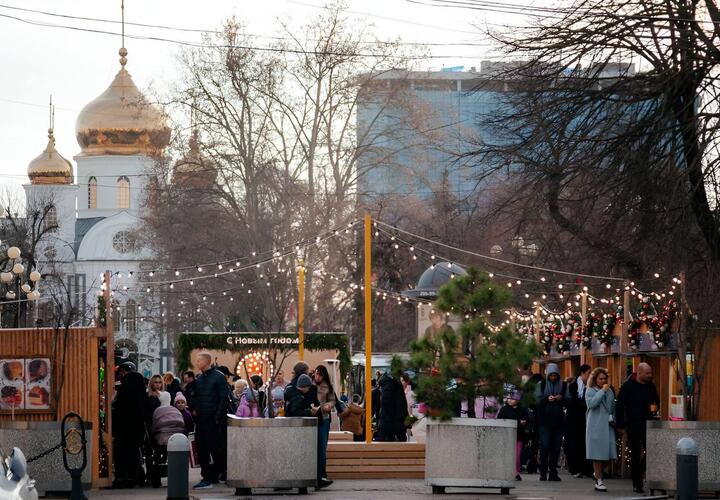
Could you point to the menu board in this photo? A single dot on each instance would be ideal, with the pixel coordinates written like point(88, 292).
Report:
point(25, 383)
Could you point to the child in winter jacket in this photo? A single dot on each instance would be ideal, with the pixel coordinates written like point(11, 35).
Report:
point(181, 405)
point(513, 410)
point(248, 406)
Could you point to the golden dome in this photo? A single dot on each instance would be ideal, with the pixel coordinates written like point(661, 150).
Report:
point(121, 121)
point(50, 167)
point(193, 169)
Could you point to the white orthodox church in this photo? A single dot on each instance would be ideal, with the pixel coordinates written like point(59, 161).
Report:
point(119, 133)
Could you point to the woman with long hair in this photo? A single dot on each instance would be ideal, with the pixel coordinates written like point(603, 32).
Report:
point(326, 397)
point(600, 429)
point(155, 386)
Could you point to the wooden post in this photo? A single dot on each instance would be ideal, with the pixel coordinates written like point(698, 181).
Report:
point(627, 319)
point(583, 324)
point(682, 344)
point(301, 311)
point(368, 328)
point(109, 370)
point(538, 323)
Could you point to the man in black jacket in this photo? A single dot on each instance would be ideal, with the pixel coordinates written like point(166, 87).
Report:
point(211, 395)
point(296, 405)
point(301, 401)
point(393, 410)
point(637, 402)
point(375, 395)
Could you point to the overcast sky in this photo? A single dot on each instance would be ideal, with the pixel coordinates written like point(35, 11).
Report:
point(76, 66)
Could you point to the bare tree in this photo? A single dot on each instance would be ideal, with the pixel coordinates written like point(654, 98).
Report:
point(277, 135)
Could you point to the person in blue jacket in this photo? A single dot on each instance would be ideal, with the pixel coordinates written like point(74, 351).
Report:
point(600, 428)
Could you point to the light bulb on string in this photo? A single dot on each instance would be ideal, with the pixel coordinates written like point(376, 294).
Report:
point(177, 273)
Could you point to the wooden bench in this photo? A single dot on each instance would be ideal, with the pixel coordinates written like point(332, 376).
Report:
point(341, 436)
point(349, 460)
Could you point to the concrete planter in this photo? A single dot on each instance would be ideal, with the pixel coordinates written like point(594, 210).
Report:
point(33, 438)
point(470, 452)
point(662, 438)
point(271, 453)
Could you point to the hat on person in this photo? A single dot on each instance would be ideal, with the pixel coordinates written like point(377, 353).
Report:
point(552, 368)
point(164, 398)
point(180, 397)
point(224, 370)
point(127, 366)
point(304, 381)
point(278, 393)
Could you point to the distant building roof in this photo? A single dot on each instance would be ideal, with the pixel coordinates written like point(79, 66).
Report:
point(433, 278)
point(82, 226)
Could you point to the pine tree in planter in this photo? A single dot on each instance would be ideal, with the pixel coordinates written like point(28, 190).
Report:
point(477, 360)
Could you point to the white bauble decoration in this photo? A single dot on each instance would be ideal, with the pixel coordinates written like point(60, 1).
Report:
point(10, 295)
point(13, 252)
point(6, 277)
point(26, 288)
point(35, 276)
point(18, 268)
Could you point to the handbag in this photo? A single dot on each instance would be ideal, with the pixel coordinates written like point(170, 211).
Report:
point(194, 454)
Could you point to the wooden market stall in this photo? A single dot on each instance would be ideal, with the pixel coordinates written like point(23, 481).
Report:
point(47, 373)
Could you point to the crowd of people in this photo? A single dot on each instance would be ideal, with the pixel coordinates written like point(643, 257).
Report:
point(146, 412)
point(582, 416)
point(585, 417)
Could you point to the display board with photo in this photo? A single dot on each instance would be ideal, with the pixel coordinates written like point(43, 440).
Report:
point(431, 322)
point(25, 384)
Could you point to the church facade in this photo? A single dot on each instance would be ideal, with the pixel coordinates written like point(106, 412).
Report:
point(98, 213)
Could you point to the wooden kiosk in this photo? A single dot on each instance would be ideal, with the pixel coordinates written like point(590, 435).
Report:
point(46, 373)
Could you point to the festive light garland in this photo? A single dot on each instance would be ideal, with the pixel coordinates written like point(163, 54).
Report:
point(606, 336)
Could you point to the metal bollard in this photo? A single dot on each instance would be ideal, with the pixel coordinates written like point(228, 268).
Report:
point(178, 462)
point(686, 473)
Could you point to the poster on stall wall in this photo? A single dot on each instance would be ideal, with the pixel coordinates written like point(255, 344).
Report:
point(432, 322)
point(37, 384)
point(12, 384)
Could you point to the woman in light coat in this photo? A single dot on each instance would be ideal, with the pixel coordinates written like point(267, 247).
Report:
point(600, 430)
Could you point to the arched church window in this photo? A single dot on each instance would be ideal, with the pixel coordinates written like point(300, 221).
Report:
point(131, 316)
point(51, 219)
point(123, 192)
point(116, 318)
point(92, 193)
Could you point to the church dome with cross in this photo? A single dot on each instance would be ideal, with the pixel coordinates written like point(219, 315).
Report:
point(121, 121)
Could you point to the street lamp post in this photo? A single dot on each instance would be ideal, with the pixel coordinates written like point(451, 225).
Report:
point(14, 276)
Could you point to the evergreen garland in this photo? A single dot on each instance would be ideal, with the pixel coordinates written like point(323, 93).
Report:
point(313, 342)
point(593, 328)
point(605, 336)
point(659, 325)
point(102, 311)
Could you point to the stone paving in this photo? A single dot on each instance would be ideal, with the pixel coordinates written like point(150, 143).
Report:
point(528, 489)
